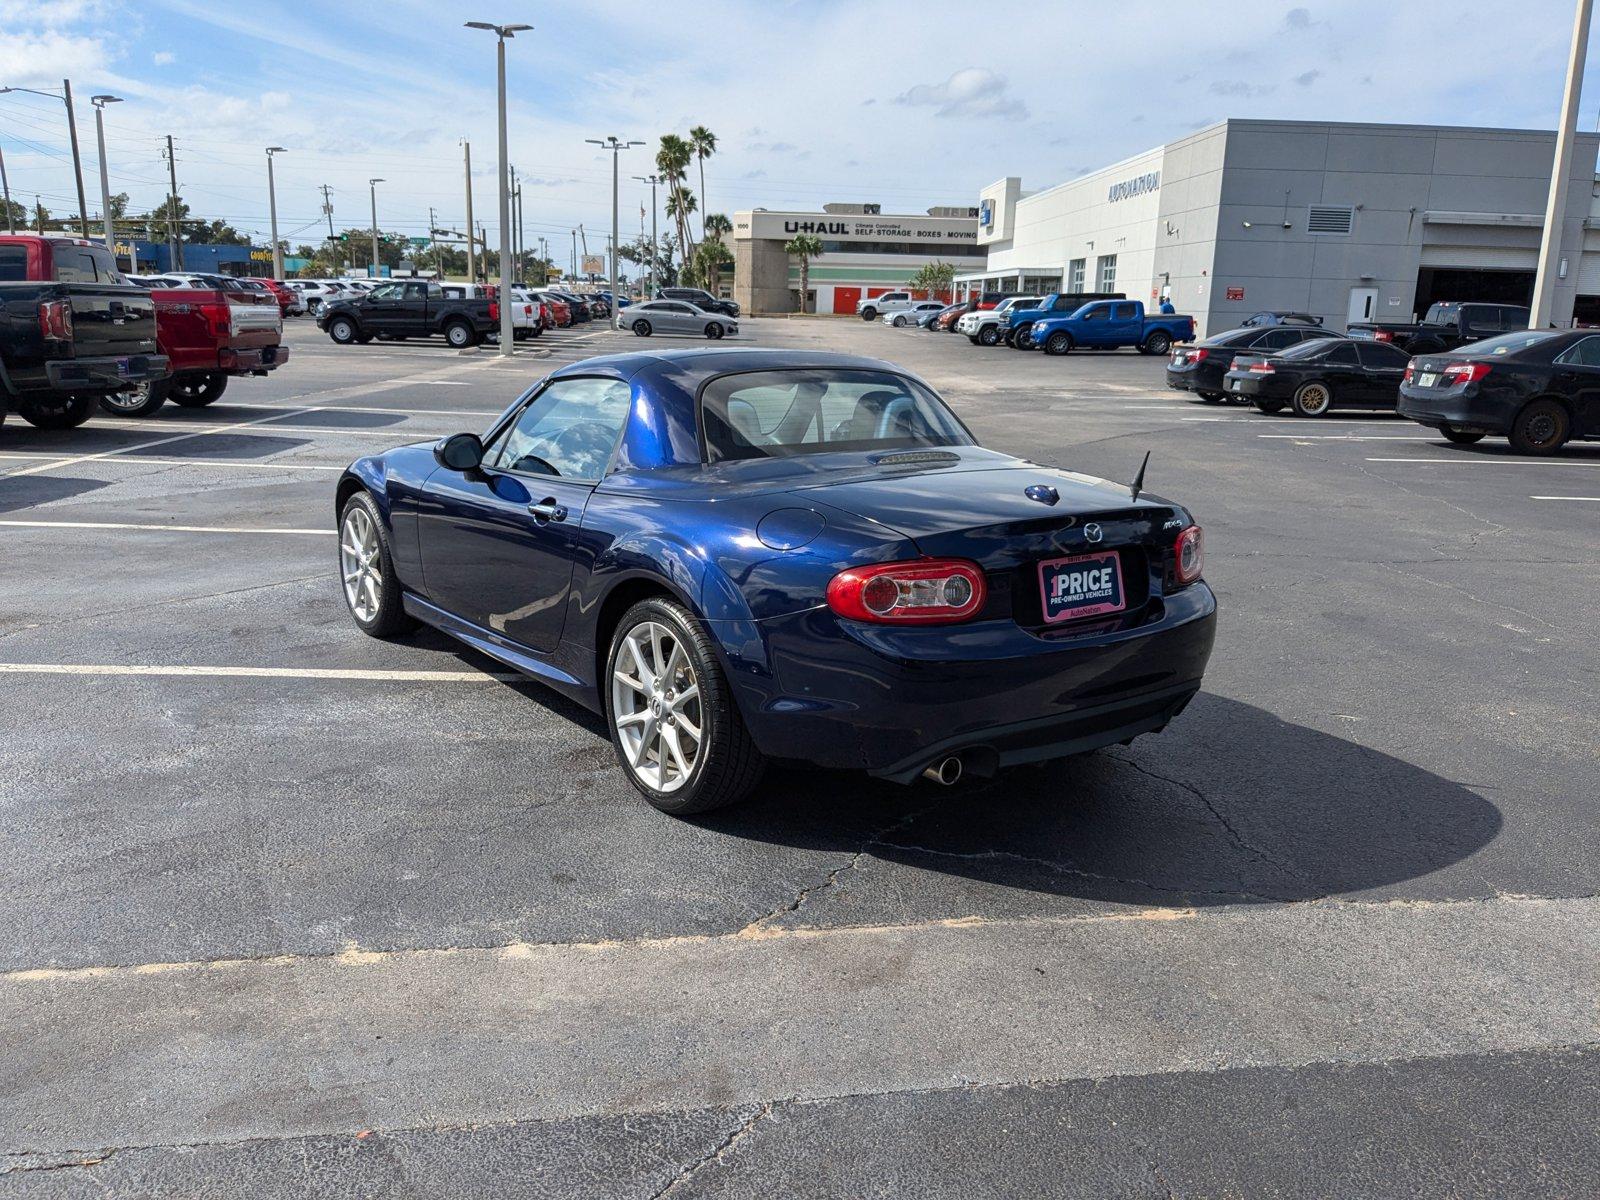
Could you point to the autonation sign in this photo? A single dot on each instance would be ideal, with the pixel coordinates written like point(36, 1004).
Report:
point(1137, 186)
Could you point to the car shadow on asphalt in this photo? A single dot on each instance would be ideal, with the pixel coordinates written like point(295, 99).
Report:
point(1231, 805)
point(19, 492)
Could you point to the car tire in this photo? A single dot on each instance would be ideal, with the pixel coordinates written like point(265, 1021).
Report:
point(869, 314)
point(714, 331)
point(142, 400)
point(366, 570)
point(58, 411)
point(1542, 427)
point(1159, 342)
point(1314, 399)
point(458, 335)
point(1270, 406)
point(989, 335)
point(1211, 397)
point(1021, 338)
point(1058, 343)
point(342, 330)
point(1461, 437)
point(725, 765)
point(197, 390)
point(641, 328)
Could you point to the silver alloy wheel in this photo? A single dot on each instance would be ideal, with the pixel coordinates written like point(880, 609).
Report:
point(656, 709)
point(361, 563)
point(130, 400)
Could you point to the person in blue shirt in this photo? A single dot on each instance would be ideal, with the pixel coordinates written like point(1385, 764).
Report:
point(1166, 305)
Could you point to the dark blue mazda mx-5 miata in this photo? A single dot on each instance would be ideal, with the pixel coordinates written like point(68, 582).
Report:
point(743, 556)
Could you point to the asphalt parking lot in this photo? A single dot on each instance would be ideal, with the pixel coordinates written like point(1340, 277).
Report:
point(286, 910)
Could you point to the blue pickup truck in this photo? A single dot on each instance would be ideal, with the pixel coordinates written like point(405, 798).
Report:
point(1109, 324)
point(1019, 321)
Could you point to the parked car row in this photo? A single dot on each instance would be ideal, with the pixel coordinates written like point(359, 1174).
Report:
point(78, 334)
point(1467, 370)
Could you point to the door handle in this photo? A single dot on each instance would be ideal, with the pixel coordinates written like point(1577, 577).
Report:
point(548, 510)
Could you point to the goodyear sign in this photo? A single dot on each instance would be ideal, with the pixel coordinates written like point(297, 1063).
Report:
point(1137, 186)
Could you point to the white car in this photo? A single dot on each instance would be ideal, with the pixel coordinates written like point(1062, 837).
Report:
point(911, 315)
point(984, 326)
point(318, 292)
point(874, 307)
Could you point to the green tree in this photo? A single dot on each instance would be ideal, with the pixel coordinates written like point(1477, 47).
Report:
point(642, 253)
point(119, 206)
point(935, 278)
point(13, 214)
point(805, 247)
point(705, 270)
point(704, 144)
point(672, 160)
point(680, 206)
point(716, 226)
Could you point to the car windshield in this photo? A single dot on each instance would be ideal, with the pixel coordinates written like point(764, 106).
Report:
point(1509, 343)
point(775, 414)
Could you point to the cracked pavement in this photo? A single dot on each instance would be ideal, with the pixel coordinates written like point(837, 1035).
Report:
point(1333, 933)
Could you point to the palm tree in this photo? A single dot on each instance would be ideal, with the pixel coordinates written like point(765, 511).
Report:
point(715, 226)
point(679, 205)
point(704, 144)
point(805, 247)
point(672, 160)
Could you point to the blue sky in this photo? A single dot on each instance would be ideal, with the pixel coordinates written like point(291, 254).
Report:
point(904, 104)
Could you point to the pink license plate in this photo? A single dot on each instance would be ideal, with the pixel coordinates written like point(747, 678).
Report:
point(1085, 585)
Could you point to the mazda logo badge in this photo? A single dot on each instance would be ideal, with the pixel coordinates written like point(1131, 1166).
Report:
point(1093, 532)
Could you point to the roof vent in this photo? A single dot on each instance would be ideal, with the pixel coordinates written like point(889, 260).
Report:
point(1330, 218)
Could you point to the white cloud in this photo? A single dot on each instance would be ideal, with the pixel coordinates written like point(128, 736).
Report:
point(969, 92)
point(163, 58)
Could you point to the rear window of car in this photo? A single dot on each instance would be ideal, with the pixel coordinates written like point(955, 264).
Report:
point(84, 264)
point(1509, 343)
point(13, 264)
point(778, 414)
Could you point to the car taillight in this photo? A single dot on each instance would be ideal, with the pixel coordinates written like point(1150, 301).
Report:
point(1263, 368)
point(494, 310)
point(1383, 335)
point(217, 318)
point(1189, 555)
point(1466, 372)
point(925, 591)
point(1406, 377)
point(55, 320)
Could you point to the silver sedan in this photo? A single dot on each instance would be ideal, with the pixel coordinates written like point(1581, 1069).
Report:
point(675, 316)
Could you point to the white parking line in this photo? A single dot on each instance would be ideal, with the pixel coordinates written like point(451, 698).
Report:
point(1487, 462)
point(1346, 437)
point(133, 426)
point(1589, 499)
point(164, 528)
point(386, 676)
point(48, 461)
point(352, 408)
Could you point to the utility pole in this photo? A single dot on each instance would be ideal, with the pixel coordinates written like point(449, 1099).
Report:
point(522, 243)
point(1544, 283)
point(652, 180)
point(174, 233)
point(472, 246)
point(516, 250)
point(373, 184)
point(616, 145)
point(502, 32)
point(327, 211)
point(433, 244)
point(100, 103)
point(77, 161)
point(272, 207)
point(11, 224)
point(574, 255)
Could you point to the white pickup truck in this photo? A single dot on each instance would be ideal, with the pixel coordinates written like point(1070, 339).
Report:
point(985, 326)
point(874, 307)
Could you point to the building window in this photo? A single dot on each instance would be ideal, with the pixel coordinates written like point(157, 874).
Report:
point(1106, 269)
point(1075, 276)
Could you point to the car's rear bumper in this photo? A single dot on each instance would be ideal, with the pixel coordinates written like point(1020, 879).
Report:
point(892, 700)
point(1466, 408)
point(106, 374)
point(252, 360)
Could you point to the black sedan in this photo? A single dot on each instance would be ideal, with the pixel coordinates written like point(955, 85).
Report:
point(1318, 376)
point(1539, 388)
point(1200, 368)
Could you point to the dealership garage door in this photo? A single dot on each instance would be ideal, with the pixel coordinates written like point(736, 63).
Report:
point(1493, 285)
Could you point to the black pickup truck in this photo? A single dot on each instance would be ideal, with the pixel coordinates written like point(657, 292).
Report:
point(1445, 326)
point(396, 311)
point(71, 330)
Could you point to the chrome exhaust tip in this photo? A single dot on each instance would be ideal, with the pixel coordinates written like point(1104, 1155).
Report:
point(945, 772)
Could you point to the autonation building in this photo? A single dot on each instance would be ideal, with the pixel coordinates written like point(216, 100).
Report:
point(1349, 222)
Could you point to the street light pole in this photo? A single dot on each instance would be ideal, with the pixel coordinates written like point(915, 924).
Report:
point(502, 32)
point(373, 184)
point(616, 145)
point(5, 184)
point(652, 180)
point(472, 244)
point(100, 103)
point(272, 208)
point(1555, 213)
point(65, 96)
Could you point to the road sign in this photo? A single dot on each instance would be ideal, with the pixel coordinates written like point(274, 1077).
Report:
point(416, 241)
point(594, 264)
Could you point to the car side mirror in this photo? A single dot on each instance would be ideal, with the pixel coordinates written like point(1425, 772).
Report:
point(459, 452)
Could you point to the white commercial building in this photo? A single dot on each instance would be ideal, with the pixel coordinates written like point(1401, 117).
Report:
point(1344, 221)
